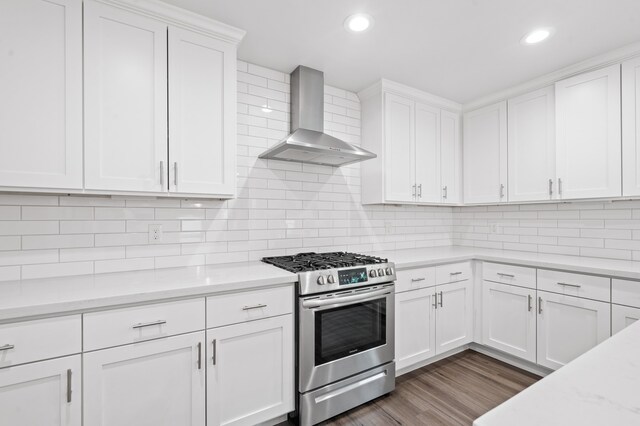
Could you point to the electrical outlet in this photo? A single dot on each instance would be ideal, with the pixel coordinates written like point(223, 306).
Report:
point(155, 234)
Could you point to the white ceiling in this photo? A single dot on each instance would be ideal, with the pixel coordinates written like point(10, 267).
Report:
point(458, 49)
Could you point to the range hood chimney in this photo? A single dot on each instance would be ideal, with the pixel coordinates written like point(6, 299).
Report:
point(307, 142)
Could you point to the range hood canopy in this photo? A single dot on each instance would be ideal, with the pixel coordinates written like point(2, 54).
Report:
point(308, 143)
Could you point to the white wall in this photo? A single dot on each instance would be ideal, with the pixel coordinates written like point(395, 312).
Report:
point(281, 208)
point(594, 229)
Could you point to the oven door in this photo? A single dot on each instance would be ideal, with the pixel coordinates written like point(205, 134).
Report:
point(343, 334)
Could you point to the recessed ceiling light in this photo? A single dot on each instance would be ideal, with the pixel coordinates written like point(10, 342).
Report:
point(358, 23)
point(536, 36)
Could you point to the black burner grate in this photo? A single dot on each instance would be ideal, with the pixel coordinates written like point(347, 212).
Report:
point(304, 262)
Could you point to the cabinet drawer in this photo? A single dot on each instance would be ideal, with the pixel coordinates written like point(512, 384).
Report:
point(625, 292)
point(412, 279)
point(453, 272)
point(587, 286)
point(249, 305)
point(130, 325)
point(509, 274)
point(29, 341)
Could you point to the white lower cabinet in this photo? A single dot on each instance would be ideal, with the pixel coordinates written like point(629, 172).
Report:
point(623, 316)
point(42, 393)
point(454, 315)
point(569, 326)
point(250, 371)
point(154, 383)
point(415, 327)
point(509, 319)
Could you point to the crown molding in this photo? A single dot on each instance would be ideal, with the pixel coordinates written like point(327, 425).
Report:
point(610, 58)
point(181, 18)
point(389, 86)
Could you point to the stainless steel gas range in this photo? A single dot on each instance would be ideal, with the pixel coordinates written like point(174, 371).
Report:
point(345, 331)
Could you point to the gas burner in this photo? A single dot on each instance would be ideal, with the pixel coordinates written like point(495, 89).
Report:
point(304, 262)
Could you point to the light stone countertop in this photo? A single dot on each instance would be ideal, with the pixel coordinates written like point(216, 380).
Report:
point(598, 388)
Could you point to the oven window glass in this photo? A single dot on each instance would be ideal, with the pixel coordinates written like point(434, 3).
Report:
point(347, 330)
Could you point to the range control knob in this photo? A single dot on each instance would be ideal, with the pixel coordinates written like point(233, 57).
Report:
point(321, 280)
point(389, 271)
point(373, 273)
point(331, 279)
point(381, 272)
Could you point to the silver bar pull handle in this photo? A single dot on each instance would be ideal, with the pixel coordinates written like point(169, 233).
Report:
point(420, 191)
point(259, 306)
point(6, 347)
point(539, 305)
point(441, 299)
point(175, 174)
point(506, 275)
point(444, 192)
point(435, 302)
point(414, 191)
point(455, 273)
point(550, 187)
point(415, 280)
point(148, 324)
point(570, 285)
point(559, 186)
point(199, 355)
point(501, 190)
point(69, 385)
point(530, 299)
point(214, 356)
point(162, 173)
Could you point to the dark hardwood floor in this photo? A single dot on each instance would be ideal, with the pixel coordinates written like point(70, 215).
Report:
point(454, 391)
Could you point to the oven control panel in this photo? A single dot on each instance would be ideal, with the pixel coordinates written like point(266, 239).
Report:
point(334, 279)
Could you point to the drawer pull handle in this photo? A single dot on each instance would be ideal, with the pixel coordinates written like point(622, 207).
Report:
point(69, 385)
point(455, 273)
point(570, 285)
point(415, 280)
point(506, 275)
point(213, 356)
point(259, 306)
point(148, 324)
point(6, 347)
point(199, 355)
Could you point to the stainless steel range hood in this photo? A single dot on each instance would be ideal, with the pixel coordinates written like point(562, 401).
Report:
point(307, 142)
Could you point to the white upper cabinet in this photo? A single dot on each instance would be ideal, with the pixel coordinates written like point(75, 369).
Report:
point(588, 135)
point(631, 127)
point(125, 100)
point(450, 160)
point(531, 146)
point(400, 148)
point(41, 94)
point(485, 154)
point(417, 142)
point(427, 156)
point(202, 119)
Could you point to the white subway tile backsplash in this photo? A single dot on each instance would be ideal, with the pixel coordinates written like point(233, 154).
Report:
point(91, 227)
point(10, 243)
point(86, 254)
point(28, 257)
point(33, 242)
point(107, 213)
point(57, 269)
point(9, 273)
point(105, 266)
point(9, 213)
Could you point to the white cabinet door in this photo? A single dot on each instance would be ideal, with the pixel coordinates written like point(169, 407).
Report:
point(41, 93)
point(531, 146)
point(485, 154)
point(399, 133)
point(623, 316)
point(202, 119)
point(43, 393)
point(569, 326)
point(454, 315)
point(631, 127)
point(450, 159)
point(250, 371)
point(154, 383)
point(125, 100)
point(427, 153)
point(588, 135)
point(415, 328)
point(509, 319)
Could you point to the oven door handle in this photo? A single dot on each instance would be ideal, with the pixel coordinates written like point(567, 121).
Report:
point(346, 300)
